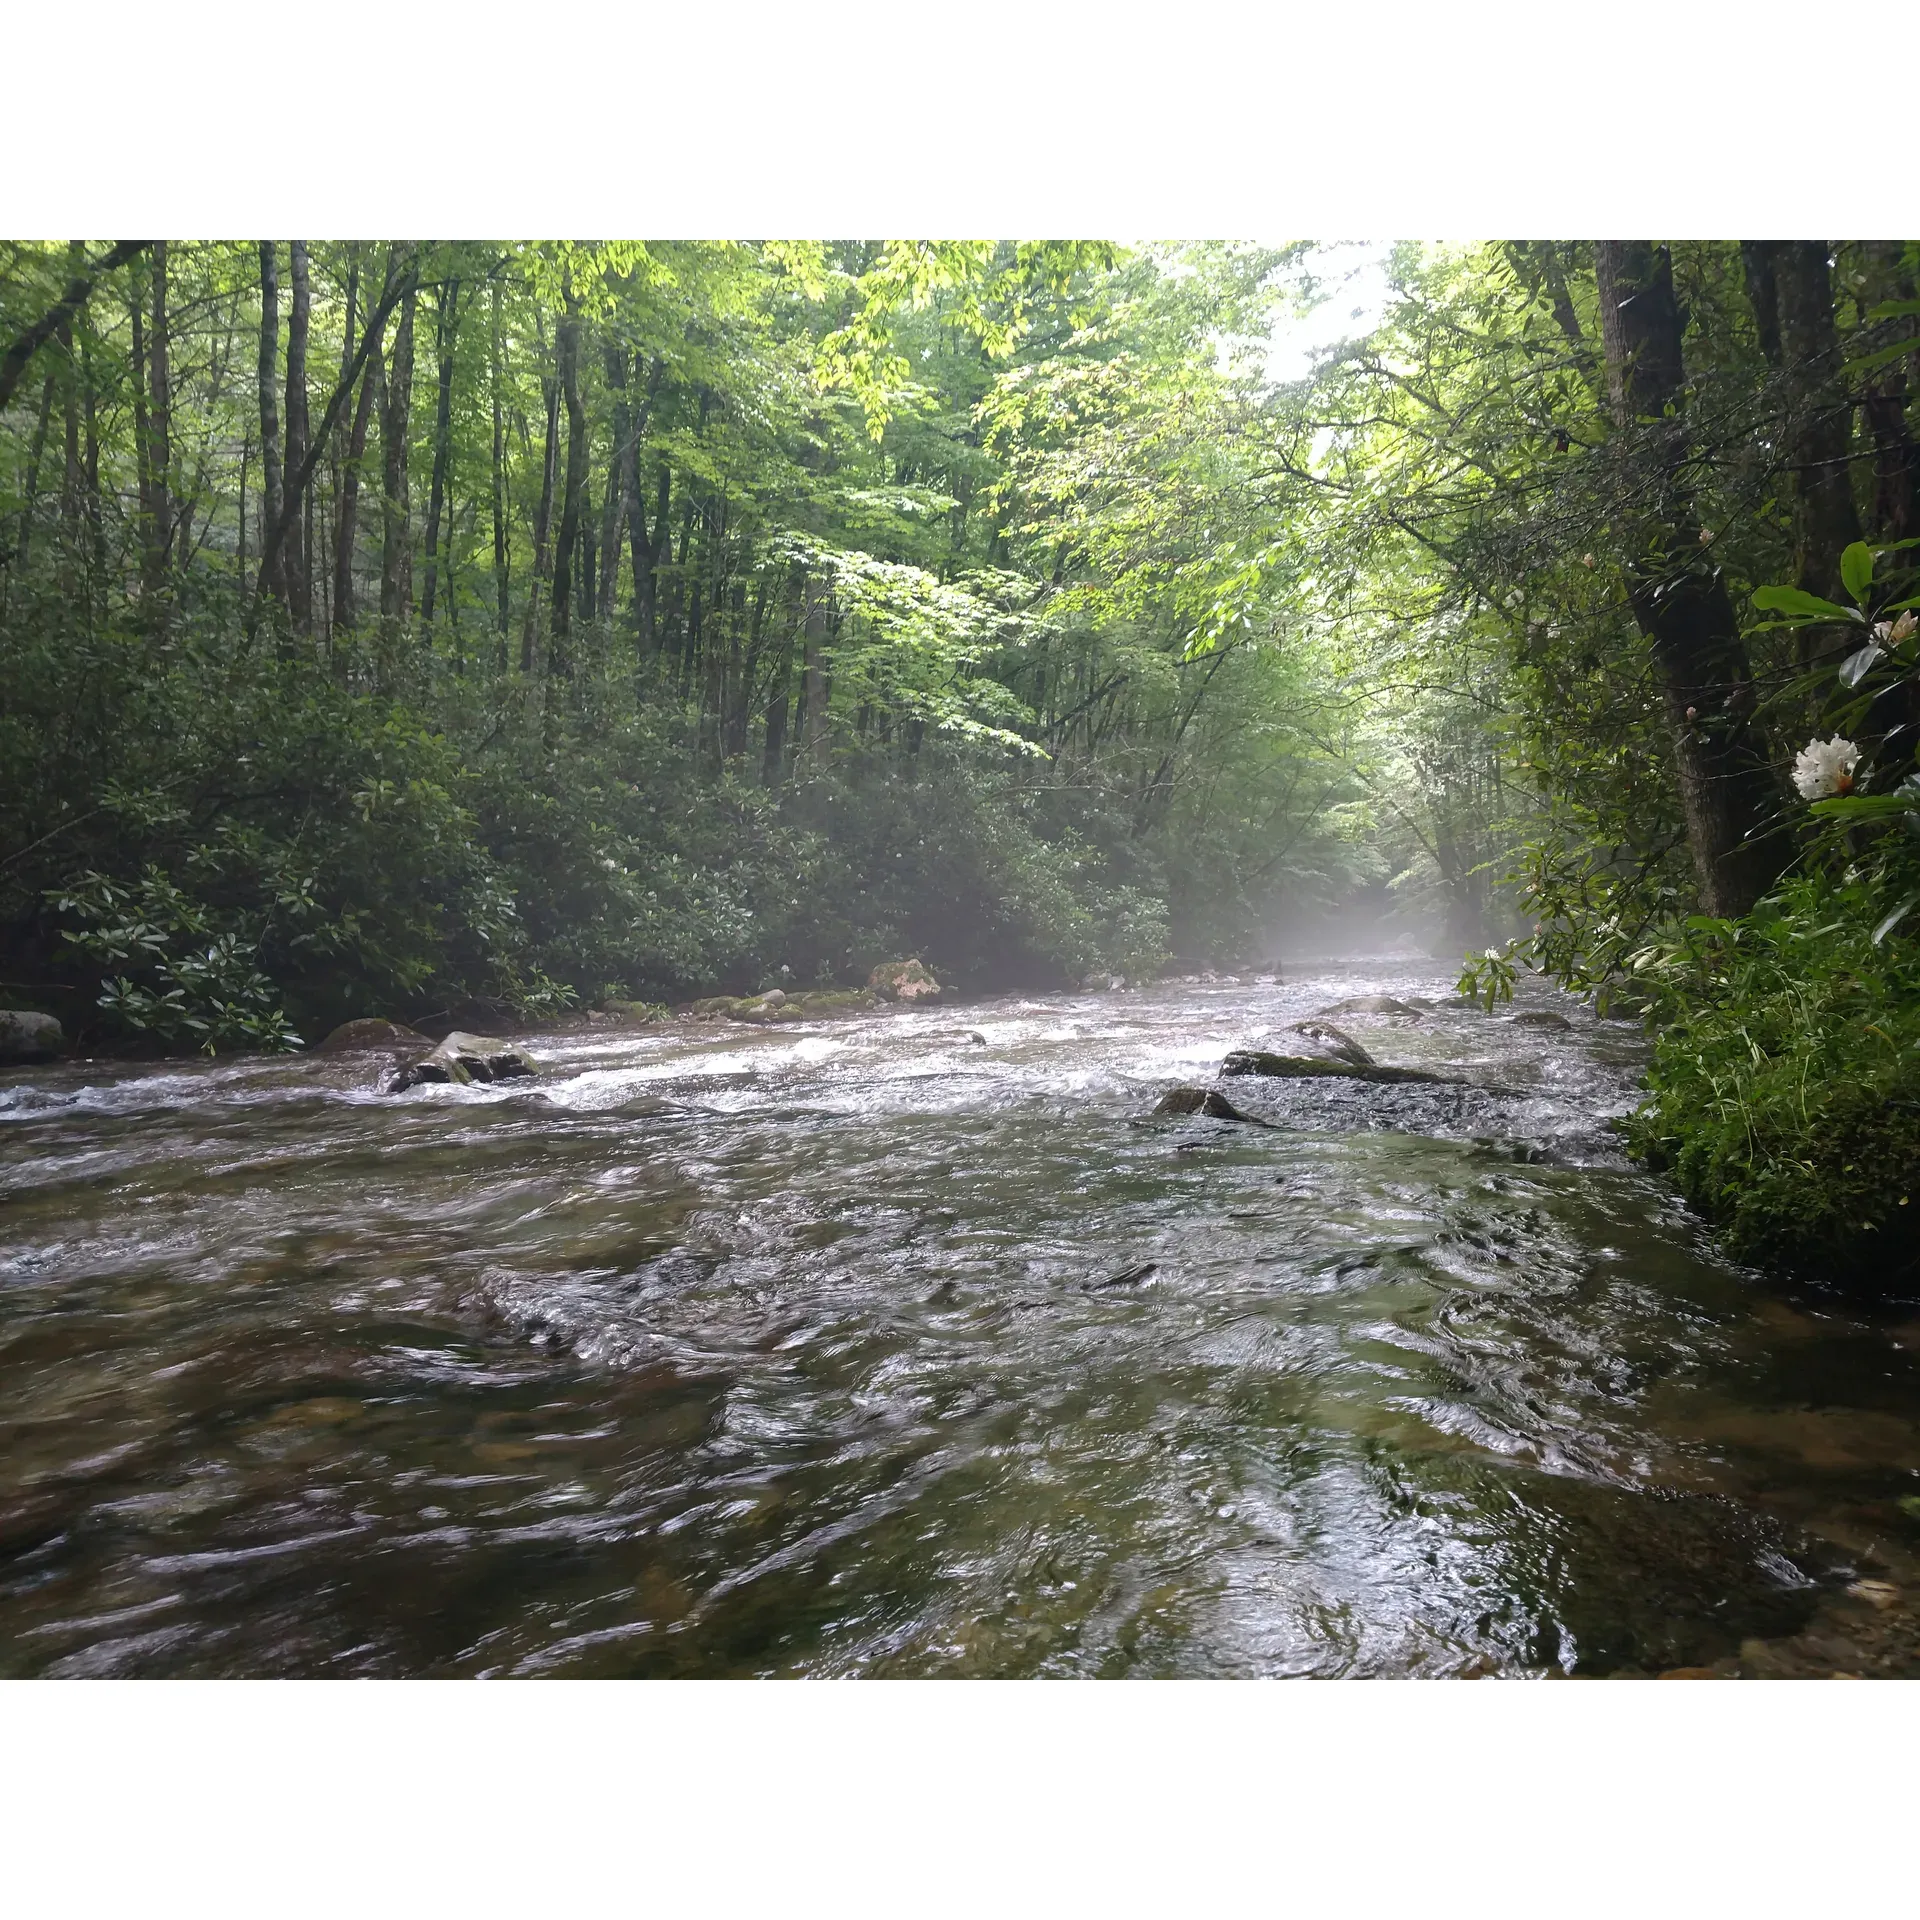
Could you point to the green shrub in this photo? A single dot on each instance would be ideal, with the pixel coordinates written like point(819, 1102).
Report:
point(1785, 1085)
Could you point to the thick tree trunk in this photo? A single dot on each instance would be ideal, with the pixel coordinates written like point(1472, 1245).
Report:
point(1678, 595)
point(446, 336)
point(297, 564)
point(1883, 405)
point(396, 520)
point(1806, 348)
point(559, 656)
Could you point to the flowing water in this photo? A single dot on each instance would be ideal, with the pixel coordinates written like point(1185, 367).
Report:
point(833, 1349)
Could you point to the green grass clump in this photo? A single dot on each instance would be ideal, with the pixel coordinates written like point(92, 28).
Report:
point(1785, 1085)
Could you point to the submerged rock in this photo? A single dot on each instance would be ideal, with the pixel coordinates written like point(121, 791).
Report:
point(907, 981)
point(463, 1058)
point(30, 1036)
point(1376, 1003)
point(1205, 1100)
point(361, 1036)
point(1547, 1022)
point(1299, 1066)
point(1335, 1044)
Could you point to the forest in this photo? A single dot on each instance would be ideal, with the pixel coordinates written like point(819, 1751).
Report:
point(588, 624)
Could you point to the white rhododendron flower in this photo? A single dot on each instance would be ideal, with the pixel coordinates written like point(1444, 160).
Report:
point(1825, 767)
point(1894, 633)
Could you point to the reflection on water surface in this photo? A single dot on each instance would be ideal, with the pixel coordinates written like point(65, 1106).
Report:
point(832, 1350)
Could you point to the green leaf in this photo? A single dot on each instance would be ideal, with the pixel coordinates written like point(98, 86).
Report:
point(1856, 666)
point(1864, 806)
point(1856, 570)
point(1802, 606)
point(1893, 919)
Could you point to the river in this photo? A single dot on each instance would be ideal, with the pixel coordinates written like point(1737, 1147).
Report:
point(832, 1349)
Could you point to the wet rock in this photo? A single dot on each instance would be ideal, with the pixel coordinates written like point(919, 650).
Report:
point(1375, 1003)
point(462, 1058)
point(1298, 1066)
point(631, 1013)
point(1333, 1043)
point(1546, 1022)
point(1206, 1100)
point(907, 981)
point(975, 1039)
point(482, 1016)
point(1127, 1277)
point(30, 1036)
point(366, 1036)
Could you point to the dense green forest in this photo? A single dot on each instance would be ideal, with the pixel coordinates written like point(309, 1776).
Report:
point(387, 623)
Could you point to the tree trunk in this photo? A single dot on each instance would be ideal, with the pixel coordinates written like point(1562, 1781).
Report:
point(96, 512)
point(446, 335)
point(1883, 405)
point(500, 580)
point(297, 562)
point(1806, 349)
point(73, 479)
point(396, 522)
point(160, 423)
point(646, 564)
point(23, 542)
point(809, 724)
point(559, 659)
point(80, 285)
point(347, 524)
point(543, 523)
point(1679, 596)
point(271, 474)
point(773, 759)
point(617, 507)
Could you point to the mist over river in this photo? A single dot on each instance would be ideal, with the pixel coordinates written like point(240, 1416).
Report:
point(875, 1347)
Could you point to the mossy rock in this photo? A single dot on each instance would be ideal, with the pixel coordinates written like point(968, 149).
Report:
point(463, 1058)
point(634, 1013)
point(1203, 1100)
point(906, 981)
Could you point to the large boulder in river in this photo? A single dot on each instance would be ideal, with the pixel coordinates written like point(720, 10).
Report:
point(907, 981)
point(1336, 1045)
point(373, 1036)
point(1376, 1003)
point(463, 1058)
point(30, 1036)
